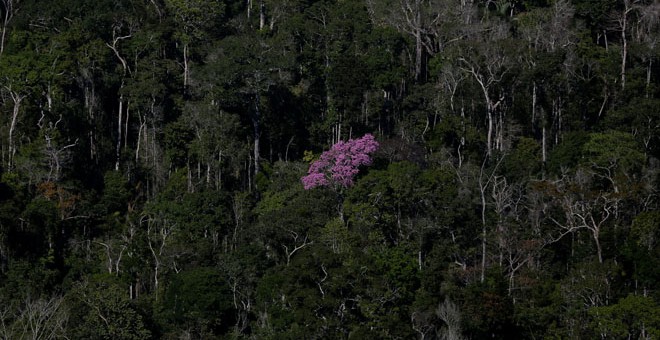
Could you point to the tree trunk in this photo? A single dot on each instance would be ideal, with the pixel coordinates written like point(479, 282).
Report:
point(489, 137)
point(6, 17)
point(17, 99)
point(128, 105)
point(599, 250)
point(415, 24)
point(185, 65)
point(418, 55)
point(262, 15)
point(482, 189)
point(139, 141)
point(649, 70)
point(119, 131)
point(624, 41)
point(257, 133)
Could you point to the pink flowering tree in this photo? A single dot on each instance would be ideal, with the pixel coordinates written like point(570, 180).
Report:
point(338, 166)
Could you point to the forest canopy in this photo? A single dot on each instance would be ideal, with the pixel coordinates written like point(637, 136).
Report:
point(365, 169)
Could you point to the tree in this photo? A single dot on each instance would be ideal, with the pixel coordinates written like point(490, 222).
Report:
point(198, 300)
point(7, 11)
point(583, 209)
point(550, 41)
point(632, 317)
point(288, 219)
point(103, 310)
point(338, 166)
point(23, 74)
point(415, 18)
point(488, 66)
point(615, 157)
point(450, 314)
point(34, 319)
point(195, 18)
point(242, 70)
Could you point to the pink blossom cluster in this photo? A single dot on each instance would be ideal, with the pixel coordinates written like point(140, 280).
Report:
point(341, 163)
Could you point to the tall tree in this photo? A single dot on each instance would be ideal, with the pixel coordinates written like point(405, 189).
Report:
point(194, 18)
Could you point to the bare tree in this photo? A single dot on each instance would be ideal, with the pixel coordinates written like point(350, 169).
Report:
point(422, 323)
point(624, 24)
point(34, 319)
point(16, 98)
point(298, 243)
point(117, 37)
point(114, 256)
point(645, 32)
point(518, 244)
point(449, 81)
point(485, 181)
point(57, 155)
point(159, 232)
point(488, 67)
point(583, 209)
point(449, 313)
point(547, 30)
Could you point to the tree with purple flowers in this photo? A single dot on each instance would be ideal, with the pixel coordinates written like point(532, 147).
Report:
point(339, 165)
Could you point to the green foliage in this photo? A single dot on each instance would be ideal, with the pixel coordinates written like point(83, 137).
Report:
point(177, 140)
point(195, 17)
point(25, 279)
point(398, 266)
point(197, 220)
point(525, 160)
point(116, 193)
point(102, 310)
point(199, 299)
point(568, 153)
point(640, 115)
point(634, 316)
point(645, 230)
point(642, 249)
point(593, 11)
point(614, 150)
point(453, 132)
point(487, 308)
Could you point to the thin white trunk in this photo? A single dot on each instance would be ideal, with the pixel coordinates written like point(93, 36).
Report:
point(262, 15)
point(257, 134)
point(489, 137)
point(483, 233)
point(418, 54)
point(484, 183)
point(185, 65)
point(2, 38)
point(119, 131)
point(543, 145)
point(142, 128)
point(648, 77)
point(490, 106)
point(7, 15)
point(624, 41)
point(599, 249)
point(534, 102)
point(128, 106)
point(17, 99)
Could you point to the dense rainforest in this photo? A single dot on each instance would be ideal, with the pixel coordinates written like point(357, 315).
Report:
point(152, 153)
